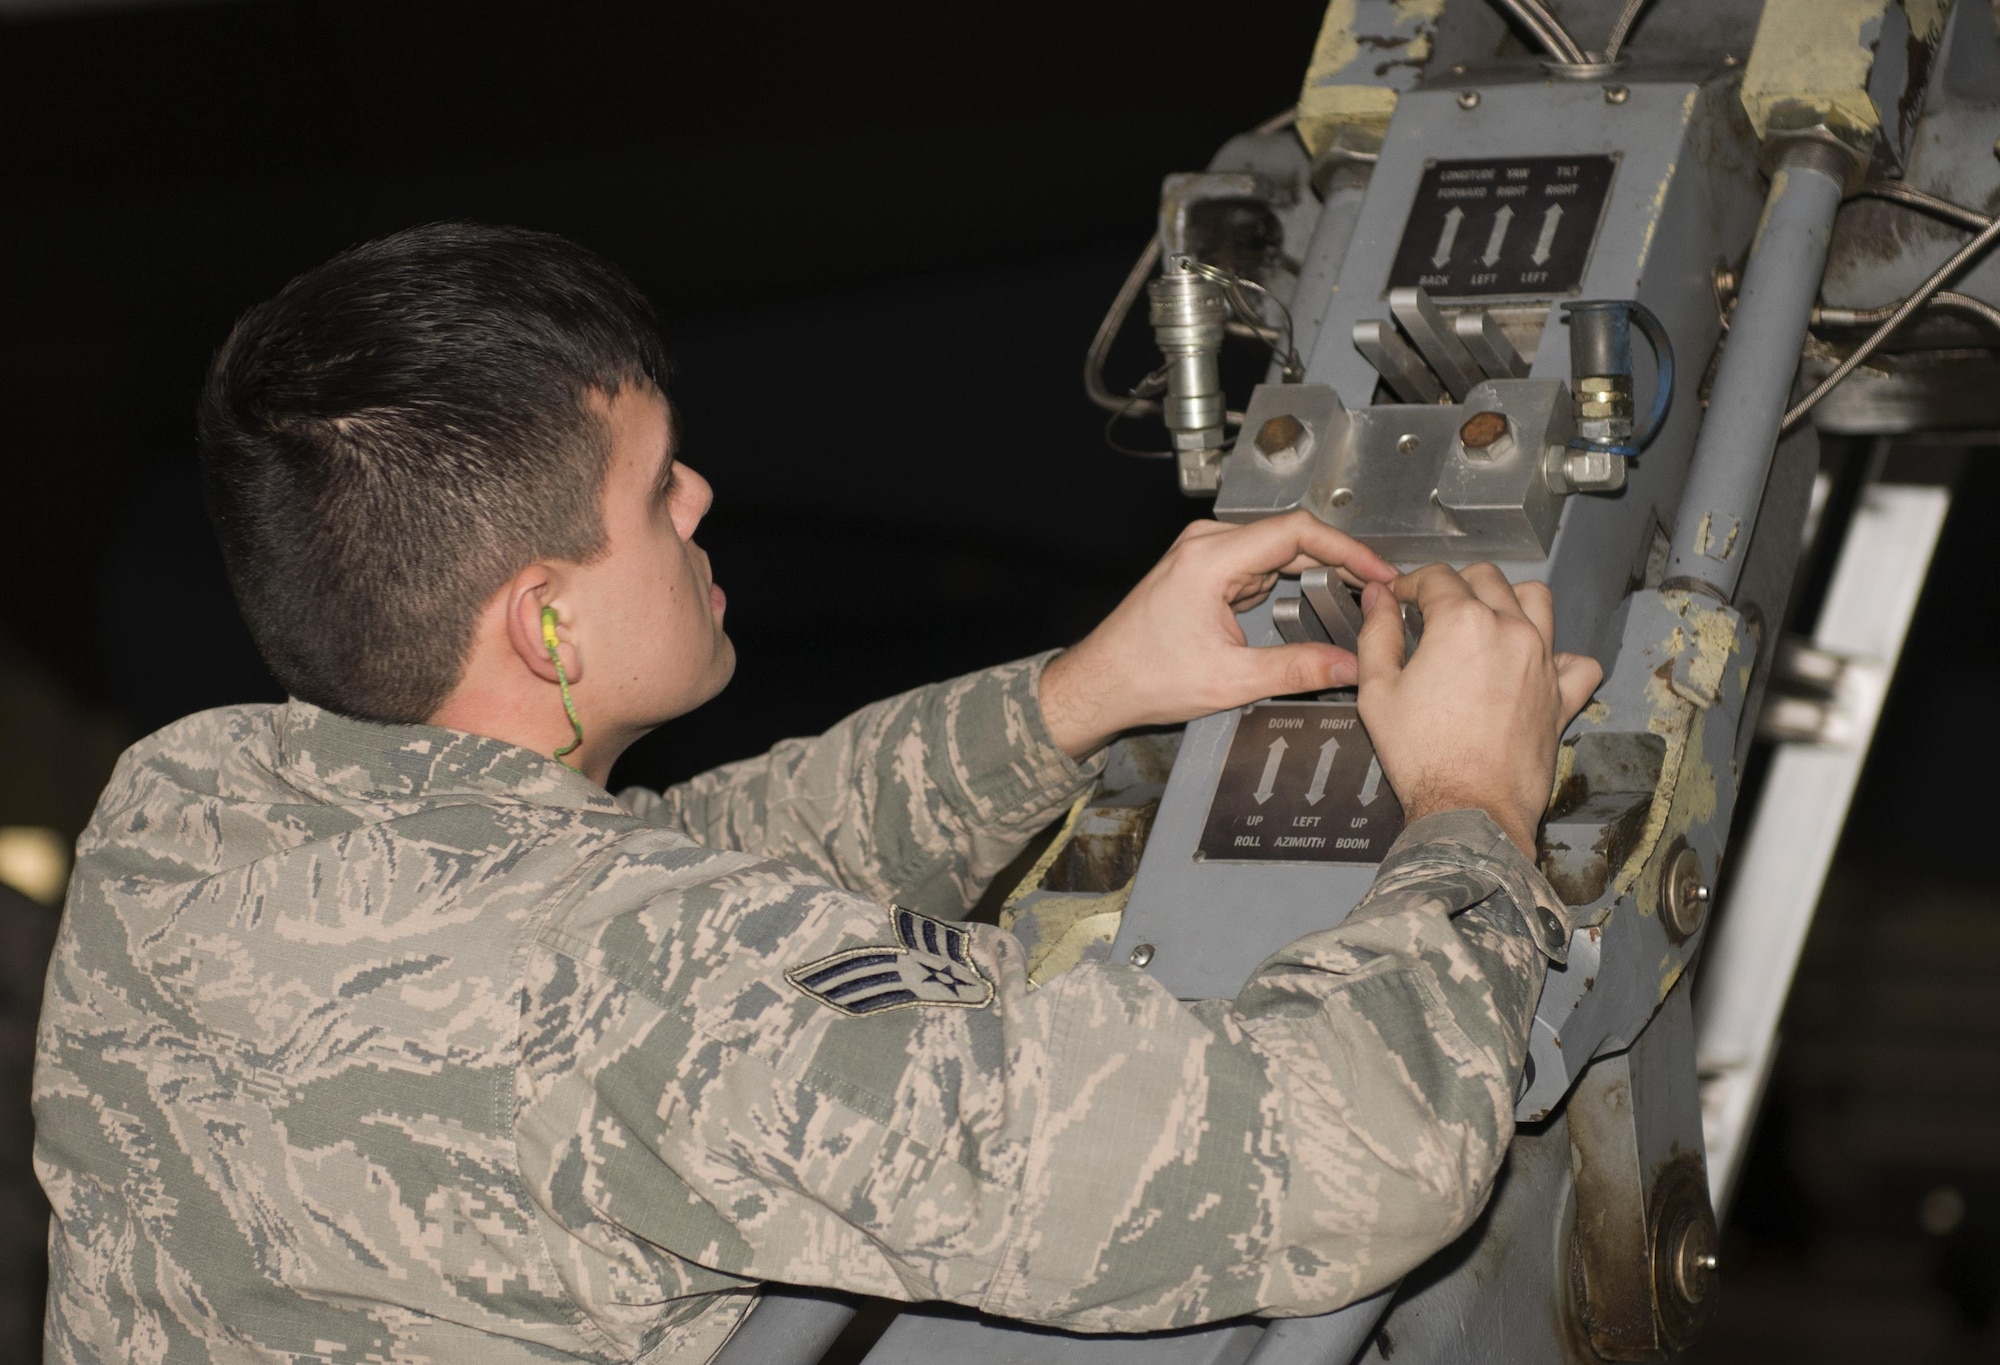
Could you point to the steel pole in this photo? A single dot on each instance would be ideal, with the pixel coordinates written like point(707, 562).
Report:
point(1753, 384)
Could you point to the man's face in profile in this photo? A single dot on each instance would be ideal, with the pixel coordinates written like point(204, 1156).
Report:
point(650, 612)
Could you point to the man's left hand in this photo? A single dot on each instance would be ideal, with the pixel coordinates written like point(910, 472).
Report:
point(1172, 650)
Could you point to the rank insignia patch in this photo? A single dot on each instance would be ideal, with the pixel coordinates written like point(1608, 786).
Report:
point(930, 963)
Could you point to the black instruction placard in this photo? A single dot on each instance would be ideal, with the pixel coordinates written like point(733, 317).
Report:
point(1523, 225)
point(1300, 785)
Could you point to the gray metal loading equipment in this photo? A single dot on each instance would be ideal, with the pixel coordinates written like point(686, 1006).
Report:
point(1450, 252)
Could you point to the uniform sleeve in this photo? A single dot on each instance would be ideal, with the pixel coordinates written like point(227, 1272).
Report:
point(774, 1079)
point(919, 799)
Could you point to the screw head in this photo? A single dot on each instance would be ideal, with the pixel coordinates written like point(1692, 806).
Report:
point(1341, 497)
point(1407, 444)
point(1468, 99)
point(1142, 955)
point(1616, 94)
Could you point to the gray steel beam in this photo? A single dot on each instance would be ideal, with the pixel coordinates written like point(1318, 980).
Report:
point(1753, 384)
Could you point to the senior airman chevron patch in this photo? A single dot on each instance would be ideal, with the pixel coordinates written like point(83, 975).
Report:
point(930, 963)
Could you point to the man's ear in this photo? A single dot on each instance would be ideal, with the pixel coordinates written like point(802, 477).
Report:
point(526, 594)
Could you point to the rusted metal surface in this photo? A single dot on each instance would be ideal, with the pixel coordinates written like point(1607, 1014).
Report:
point(1613, 1240)
point(1645, 1236)
point(1600, 810)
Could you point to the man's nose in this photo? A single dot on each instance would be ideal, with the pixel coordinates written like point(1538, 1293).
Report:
point(700, 497)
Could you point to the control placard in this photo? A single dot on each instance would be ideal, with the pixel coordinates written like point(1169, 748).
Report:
point(1523, 225)
point(1300, 784)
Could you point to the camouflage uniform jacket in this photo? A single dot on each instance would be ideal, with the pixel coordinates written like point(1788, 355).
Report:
point(377, 1043)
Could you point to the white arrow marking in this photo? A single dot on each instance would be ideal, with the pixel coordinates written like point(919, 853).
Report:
point(1371, 785)
point(1452, 219)
point(1268, 784)
point(1501, 221)
point(1317, 791)
point(1547, 241)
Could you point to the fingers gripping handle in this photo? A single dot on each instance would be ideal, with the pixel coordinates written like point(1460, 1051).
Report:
point(1326, 613)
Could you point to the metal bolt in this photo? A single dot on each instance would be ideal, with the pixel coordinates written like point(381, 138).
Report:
point(1142, 955)
point(1280, 433)
point(1407, 444)
point(1685, 896)
point(1468, 99)
point(1482, 429)
point(1616, 94)
point(1458, 70)
point(1341, 497)
point(1694, 1262)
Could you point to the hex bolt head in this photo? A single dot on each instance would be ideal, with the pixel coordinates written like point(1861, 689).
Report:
point(1142, 955)
point(1482, 429)
point(1279, 434)
point(1468, 99)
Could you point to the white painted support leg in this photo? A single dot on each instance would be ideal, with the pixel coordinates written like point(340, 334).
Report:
point(1785, 855)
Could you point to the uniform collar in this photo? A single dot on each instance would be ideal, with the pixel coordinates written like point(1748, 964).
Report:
point(402, 762)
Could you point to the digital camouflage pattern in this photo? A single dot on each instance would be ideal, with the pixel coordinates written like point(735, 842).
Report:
point(374, 1043)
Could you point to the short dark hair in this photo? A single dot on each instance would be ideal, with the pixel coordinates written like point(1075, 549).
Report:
point(398, 432)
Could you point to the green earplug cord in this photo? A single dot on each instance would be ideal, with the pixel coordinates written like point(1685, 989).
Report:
point(562, 681)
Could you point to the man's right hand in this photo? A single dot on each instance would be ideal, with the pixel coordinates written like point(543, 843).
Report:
point(1471, 721)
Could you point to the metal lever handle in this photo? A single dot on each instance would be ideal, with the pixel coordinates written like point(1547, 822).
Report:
point(1335, 606)
point(1326, 613)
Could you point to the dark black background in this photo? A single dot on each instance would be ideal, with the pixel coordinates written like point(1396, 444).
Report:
point(881, 236)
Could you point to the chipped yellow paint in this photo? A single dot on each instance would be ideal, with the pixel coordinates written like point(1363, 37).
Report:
point(1069, 925)
point(1565, 766)
point(1659, 206)
point(1813, 51)
point(1687, 793)
point(1325, 110)
point(1336, 47)
point(1927, 18)
point(1065, 926)
point(1033, 878)
point(1670, 974)
point(1597, 713)
point(1327, 101)
point(1704, 535)
point(1714, 642)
